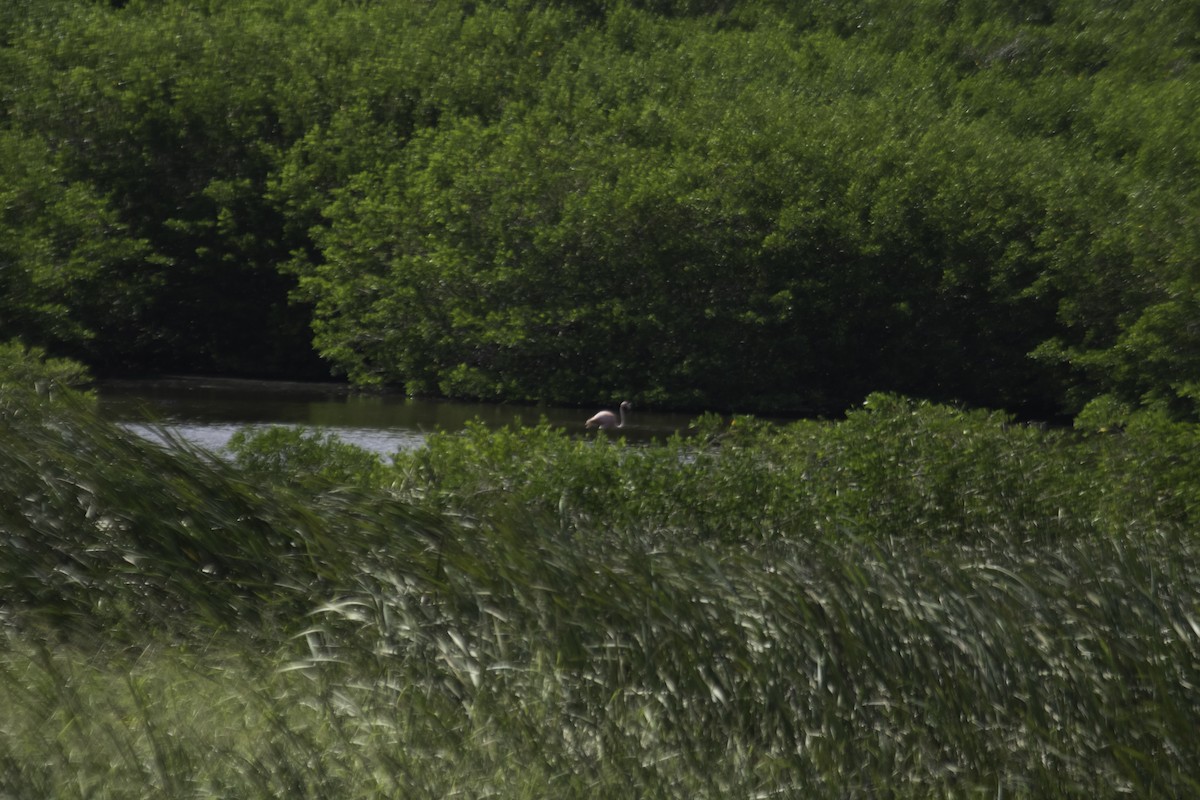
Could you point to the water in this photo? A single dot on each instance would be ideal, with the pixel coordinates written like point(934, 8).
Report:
point(208, 411)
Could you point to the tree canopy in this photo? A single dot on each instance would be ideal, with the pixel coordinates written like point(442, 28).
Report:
point(766, 206)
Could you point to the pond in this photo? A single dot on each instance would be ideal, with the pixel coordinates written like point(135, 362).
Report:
point(207, 412)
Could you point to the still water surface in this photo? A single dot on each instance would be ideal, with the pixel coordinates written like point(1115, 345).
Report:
point(208, 411)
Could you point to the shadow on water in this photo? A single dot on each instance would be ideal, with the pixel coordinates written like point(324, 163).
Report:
point(207, 411)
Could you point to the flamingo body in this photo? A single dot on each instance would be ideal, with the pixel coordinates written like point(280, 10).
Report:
point(607, 419)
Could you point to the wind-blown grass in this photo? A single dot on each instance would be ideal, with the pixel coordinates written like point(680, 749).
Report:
point(913, 602)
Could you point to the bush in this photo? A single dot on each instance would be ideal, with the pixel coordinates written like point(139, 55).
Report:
point(291, 456)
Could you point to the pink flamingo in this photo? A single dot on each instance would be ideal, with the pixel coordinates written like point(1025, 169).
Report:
point(607, 419)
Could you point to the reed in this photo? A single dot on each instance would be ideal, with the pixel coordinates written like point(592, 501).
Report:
point(913, 602)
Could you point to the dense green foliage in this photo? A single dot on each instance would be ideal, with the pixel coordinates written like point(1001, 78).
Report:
point(724, 204)
point(914, 602)
point(929, 471)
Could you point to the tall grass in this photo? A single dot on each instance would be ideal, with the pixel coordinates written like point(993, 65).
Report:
point(914, 602)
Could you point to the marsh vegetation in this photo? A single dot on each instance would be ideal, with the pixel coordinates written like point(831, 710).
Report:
point(912, 601)
point(894, 216)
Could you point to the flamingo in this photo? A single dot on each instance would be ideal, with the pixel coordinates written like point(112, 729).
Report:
point(607, 419)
